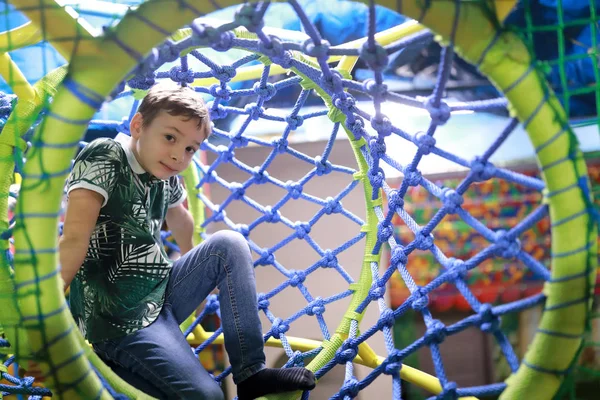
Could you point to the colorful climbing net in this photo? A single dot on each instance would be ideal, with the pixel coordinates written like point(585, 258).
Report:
point(125, 60)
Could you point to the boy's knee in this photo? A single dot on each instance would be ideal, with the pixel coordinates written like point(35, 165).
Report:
point(230, 241)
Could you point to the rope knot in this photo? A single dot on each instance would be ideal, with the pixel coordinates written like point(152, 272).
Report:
point(377, 147)
point(273, 48)
point(375, 56)
point(398, 256)
point(343, 101)
point(329, 259)
point(374, 89)
point(413, 177)
point(317, 51)
point(225, 154)
point(452, 200)
point(420, 299)
point(333, 206)
point(384, 231)
point(377, 292)
point(357, 127)
point(239, 141)
point(285, 61)
point(212, 304)
point(224, 73)
point(266, 258)
point(211, 177)
point(263, 302)
point(220, 91)
point(177, 74)
point(333, 82)
point(247, 17)
point(273, 216)
point(392, 364)
point(376, 177)
point(27, 381)
point(297, 278)
point(218, 112)
point(294, 189)
point(507, 247)
point(423, 242)
point(347, 352)
point(323, 166)
point(350, 389)
point(280, 144)
point(219, 41)
point(424, 142)
point(395, 201)
point(279, 328)
point(294, 121)
point(302, 229)
point(456, 269)
point(440, 114)
point(276, 52)
point(449, 392)
point(382, 125)
point(315, 307)
point(490, 322)
point(265, 92)
point(219, 216)
point(482, 170)
point(386, 319)
point(254, 111)
point(260, 176)
point(243, 229)
point(297, 360)
point(237, 190)
point(436, 333)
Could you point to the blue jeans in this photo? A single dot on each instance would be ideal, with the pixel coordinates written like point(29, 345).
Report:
point(158, 360)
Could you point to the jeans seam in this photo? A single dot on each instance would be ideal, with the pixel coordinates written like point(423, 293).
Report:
point(236, 316)
point(149, 371)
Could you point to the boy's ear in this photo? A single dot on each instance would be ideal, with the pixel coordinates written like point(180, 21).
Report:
point(135, 125)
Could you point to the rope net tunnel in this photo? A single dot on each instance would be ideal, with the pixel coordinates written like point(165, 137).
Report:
point(295, 193)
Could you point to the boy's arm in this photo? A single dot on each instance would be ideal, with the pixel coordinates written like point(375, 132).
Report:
point(181, 224)
point(81, 215)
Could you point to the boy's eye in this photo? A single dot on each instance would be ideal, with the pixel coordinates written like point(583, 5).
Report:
point(190, 150)
point(170, 138)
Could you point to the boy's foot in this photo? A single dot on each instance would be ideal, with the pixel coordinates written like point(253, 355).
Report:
point(275, 380)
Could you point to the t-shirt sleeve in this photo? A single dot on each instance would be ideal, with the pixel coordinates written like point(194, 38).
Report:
point(96, 168)
point(177, 193)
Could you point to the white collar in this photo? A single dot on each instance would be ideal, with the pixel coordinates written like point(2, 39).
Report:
point(125, 142)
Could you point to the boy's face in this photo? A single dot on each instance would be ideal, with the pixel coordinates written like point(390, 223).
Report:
point(166, 146)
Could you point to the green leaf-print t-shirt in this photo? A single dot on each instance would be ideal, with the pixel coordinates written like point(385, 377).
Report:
point(120, 287)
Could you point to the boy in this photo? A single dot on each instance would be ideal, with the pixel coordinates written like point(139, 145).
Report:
point(127, 298)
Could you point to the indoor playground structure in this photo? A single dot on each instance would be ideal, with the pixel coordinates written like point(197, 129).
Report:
point(365, 149)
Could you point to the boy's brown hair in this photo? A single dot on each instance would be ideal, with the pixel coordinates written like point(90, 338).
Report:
point(177, 101)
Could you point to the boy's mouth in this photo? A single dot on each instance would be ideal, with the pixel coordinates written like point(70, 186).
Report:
point(169, 169)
